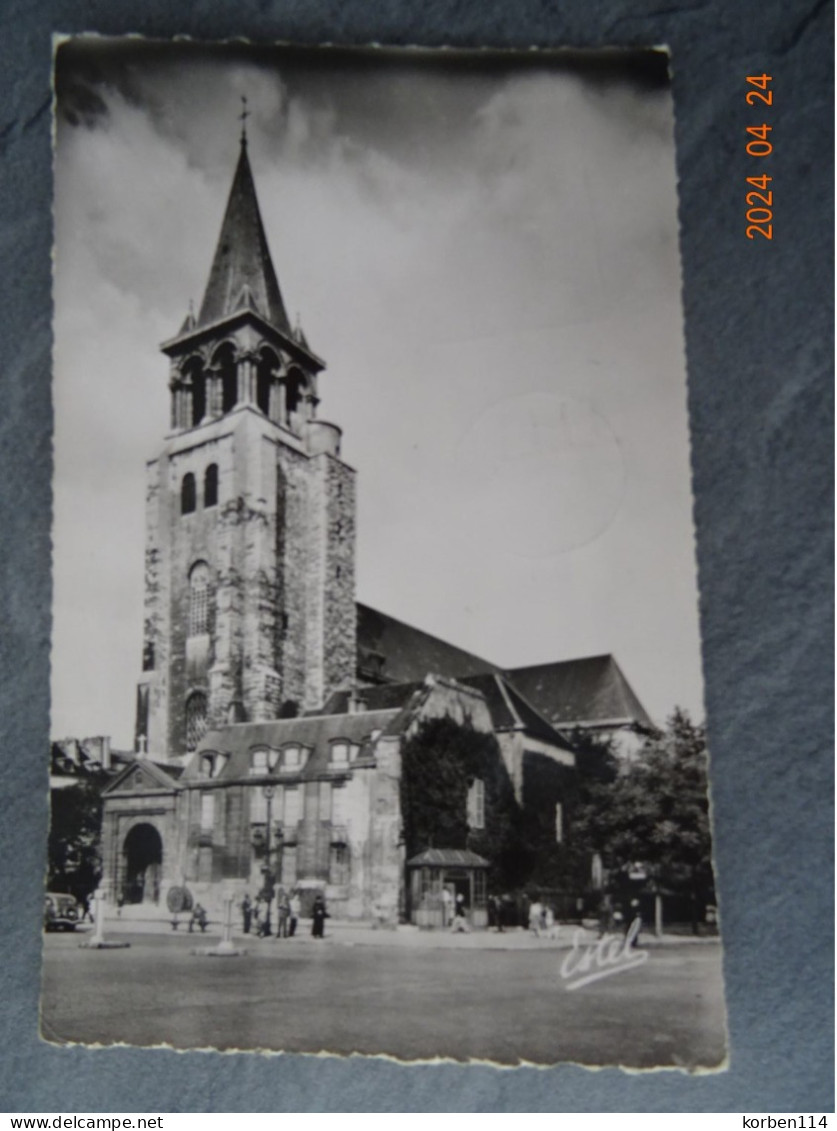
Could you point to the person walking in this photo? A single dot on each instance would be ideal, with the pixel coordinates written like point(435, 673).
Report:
point(535, 912)
point(295, 907)
point(460, 918)
point(319, 915)
point(447, 908)
point(283, 914)
point(246, 913)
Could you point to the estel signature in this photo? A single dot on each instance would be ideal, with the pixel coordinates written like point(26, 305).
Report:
point(612, 954)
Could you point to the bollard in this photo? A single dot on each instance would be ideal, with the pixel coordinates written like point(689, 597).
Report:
point(97, 941)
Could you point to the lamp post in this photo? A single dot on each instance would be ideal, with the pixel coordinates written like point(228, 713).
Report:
point(268, 791)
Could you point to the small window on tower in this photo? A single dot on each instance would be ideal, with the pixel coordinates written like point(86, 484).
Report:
point(195, 719)
point(199, 599)
point(210, 486)
point(188, 500)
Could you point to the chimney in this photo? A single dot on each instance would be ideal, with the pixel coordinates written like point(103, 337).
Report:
point(105, 752)
point(355, 705)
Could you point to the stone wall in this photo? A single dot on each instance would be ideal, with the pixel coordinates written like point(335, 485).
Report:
point(279, 545)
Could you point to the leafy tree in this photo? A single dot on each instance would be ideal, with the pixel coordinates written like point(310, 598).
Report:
point(75, 830)
point(656, 813)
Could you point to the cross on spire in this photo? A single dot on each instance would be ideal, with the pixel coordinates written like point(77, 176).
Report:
point(243, 116)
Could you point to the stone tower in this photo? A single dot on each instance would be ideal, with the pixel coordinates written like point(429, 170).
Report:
point(250, 512)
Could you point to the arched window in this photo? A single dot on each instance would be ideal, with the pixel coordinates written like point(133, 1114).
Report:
point(188, 500)
point(295, 386)
point(195, 719)
point(210, 486)
point(225, 366)
point(195, 386)
point(265, 371)
point(199, 599)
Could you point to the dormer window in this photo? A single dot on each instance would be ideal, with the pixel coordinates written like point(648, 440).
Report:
point(340, 752)
point(292, 758)
point(263, 760)
point(207, 765)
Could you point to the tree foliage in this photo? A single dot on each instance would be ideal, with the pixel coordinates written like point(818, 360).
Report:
point(75, 830)
point(655, 812)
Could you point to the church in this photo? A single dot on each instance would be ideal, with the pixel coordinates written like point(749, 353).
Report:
point(274, 710)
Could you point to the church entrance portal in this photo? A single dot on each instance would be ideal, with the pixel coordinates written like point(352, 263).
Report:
point(143, 859)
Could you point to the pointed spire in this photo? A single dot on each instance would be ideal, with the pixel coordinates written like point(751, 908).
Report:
point(242, 257)
point(189, 320)
point(243, 116)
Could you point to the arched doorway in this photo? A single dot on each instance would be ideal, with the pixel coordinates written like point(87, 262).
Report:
point(143, 858)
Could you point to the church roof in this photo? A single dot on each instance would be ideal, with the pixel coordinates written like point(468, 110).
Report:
point(508, 708)
point(572, 692)
point(242, 274)
point(408, 654)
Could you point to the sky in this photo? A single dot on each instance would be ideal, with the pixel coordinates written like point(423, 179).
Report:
point(483, 250)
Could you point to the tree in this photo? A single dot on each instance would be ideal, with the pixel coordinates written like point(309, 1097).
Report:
point(655, 813)
point(75, 830)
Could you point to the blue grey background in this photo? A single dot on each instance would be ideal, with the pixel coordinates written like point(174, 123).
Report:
point(759, 340)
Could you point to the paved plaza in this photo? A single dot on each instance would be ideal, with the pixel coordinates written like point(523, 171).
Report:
point(412, 995)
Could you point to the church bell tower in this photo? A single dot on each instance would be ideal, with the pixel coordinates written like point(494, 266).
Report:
point(250, 512)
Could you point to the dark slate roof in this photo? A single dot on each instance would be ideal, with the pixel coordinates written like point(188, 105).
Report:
point(510, 710)
point(448, 858)
point(384, 697)
point(315, 732)
point(590, 690)
point(242, 274)
point(409, 654)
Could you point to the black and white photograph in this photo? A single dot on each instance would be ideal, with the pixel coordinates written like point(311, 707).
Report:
point(377, 712)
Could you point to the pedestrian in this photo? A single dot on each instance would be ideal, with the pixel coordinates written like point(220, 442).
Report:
point(492, 912)
point(86, 913)
point(246, 913)
point(633, 919)
point(319, 915)
point(199, 917)
point(283, 914)
point(447, 907)
point(535, 911)
point(605, 915)
point(460, 918)
point(549, 922)
point(295, 907)
point(502, 912)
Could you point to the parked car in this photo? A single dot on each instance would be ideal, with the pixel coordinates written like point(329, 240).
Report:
point(61, 912)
